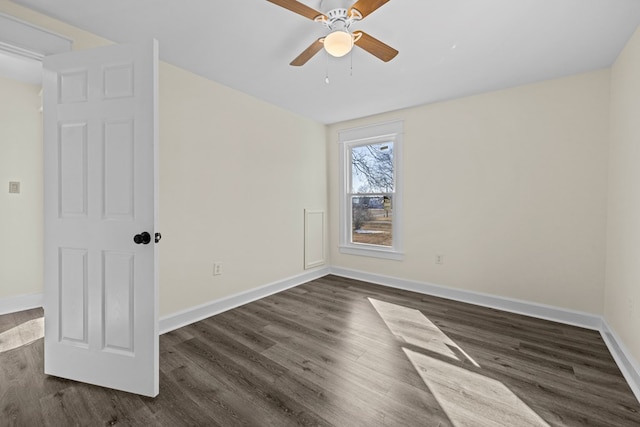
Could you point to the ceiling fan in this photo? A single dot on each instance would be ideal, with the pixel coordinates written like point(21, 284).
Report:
point(337, 20)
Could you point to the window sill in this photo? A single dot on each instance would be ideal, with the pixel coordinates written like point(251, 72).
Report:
point(372, 252)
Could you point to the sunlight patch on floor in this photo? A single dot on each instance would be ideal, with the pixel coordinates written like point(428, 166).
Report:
point(471, 399)
point(23, 334)
point(415, 328)
point(468, 398)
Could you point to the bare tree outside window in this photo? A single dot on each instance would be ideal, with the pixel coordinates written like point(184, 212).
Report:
point(372, 188)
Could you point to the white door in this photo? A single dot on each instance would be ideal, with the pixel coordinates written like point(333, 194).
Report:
point(100, 169)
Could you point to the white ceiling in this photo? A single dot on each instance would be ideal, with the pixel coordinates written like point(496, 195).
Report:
point(448, 48)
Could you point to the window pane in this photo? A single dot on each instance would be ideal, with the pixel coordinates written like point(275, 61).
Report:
point(372, 168)
point(371, 222)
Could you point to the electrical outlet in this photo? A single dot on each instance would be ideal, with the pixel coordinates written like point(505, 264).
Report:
point(217, 268)
point(439, 259)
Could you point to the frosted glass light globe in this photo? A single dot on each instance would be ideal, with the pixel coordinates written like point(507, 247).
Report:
point(338, 43)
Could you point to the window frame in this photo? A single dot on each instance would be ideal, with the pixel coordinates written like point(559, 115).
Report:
point(349, 138)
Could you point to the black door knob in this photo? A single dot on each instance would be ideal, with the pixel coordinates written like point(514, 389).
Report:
point(158, 237)
point(143, 238)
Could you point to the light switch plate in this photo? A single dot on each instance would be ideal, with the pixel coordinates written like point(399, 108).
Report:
point(14, 187)
point(217, 268)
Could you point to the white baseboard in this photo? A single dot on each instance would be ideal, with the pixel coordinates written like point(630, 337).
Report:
point(20, 303)
point(540, 311)
point(194, 314)
point(626, 362)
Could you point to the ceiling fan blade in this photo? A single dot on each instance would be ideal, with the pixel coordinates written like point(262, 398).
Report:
point(308, 53)
point(297, 7)
point(375, 46)
point(366, 7)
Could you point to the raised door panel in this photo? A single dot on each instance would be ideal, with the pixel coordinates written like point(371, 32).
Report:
point(72, 284)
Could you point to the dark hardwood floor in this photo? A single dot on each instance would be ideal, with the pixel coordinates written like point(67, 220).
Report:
point(340, 352)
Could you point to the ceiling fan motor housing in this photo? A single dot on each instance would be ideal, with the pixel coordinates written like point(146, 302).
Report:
point(339, 19)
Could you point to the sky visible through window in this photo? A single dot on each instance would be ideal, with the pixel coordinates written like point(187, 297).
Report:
point(372, 168)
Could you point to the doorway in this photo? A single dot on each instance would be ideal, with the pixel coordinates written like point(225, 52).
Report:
point(21, 182)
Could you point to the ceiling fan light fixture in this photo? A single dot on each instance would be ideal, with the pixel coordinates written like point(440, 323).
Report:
point(338, 43)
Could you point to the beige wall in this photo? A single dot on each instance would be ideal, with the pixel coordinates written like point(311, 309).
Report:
point(622, 296)
point(510, 186)
point(236, 175)
point(20, 214)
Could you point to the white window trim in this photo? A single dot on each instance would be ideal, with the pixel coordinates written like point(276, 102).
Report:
point(366, 135)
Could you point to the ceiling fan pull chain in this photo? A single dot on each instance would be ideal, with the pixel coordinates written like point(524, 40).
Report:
point(351, 66)
point(326, 79)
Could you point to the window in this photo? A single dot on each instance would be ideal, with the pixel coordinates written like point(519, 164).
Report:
point(371, 200)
